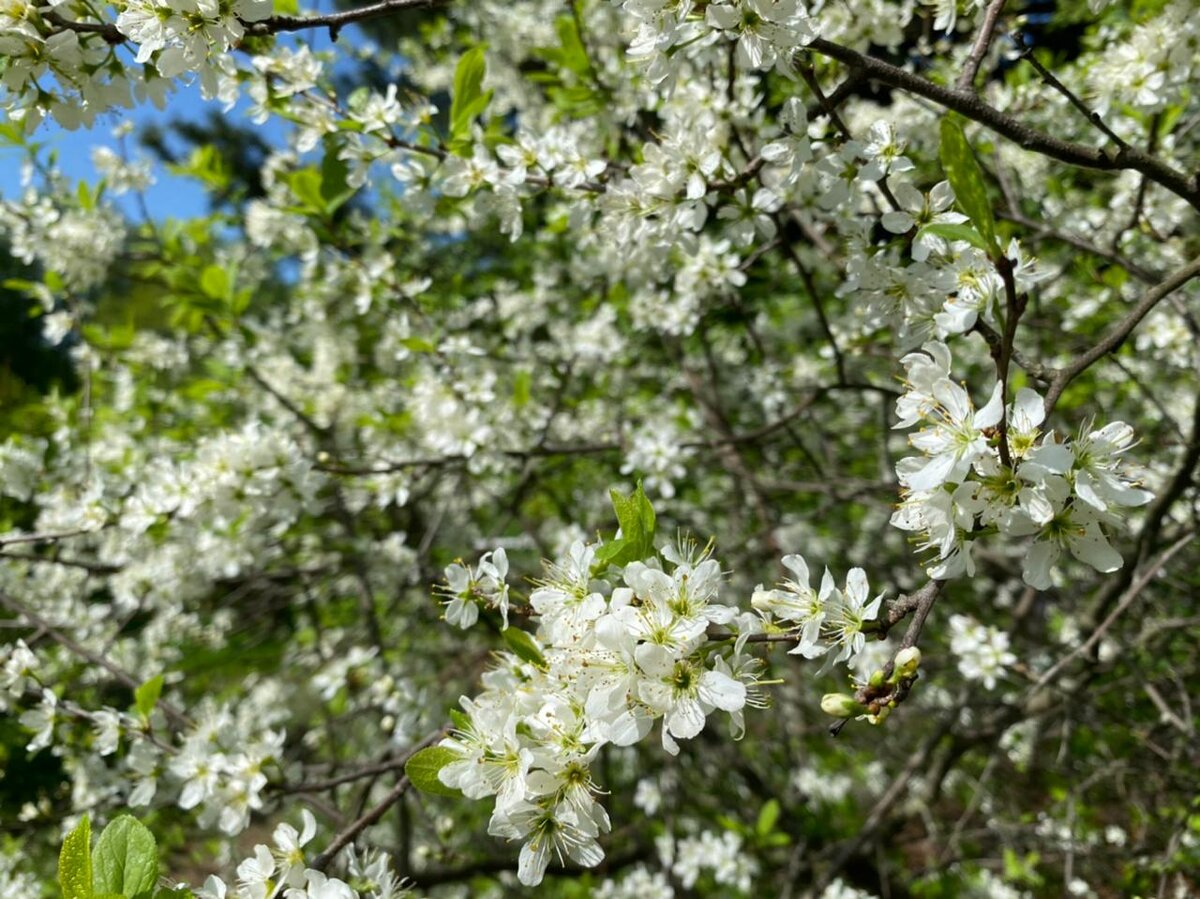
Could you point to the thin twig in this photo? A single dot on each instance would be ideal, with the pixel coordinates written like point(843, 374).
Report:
point(972, 107)
point(983, 41)
point(1114, 338)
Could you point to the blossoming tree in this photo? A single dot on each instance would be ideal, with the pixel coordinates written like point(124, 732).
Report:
point(617, 447)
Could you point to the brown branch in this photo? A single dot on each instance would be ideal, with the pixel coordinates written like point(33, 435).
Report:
point(1114, 338)
point(46, 537)
point(348, 835)
point(983, 41)
point(1090, 114)
point(335, 22)
point(73, 646)
point(972, 107)
point(1127, 600)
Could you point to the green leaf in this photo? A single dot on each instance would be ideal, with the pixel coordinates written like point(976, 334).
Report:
point(75, 862)
point(214, 282)
point(460, 720)
point(965, 176)
point(574, 54)
point(84, 196)
point(306, 185)
point(955, 232)
point(422, 769)
point(335, 186)
point(636, 517)
point(468, 99)
point(145, 697)
point(522, 387)
point(126, 859)
point(523, 646)
point(767, 818)
point(177, 892)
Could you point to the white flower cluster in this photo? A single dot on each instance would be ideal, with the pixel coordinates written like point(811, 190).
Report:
point(767, 32)
point(467, 588)
point(281, 871)
point(929, 286)
point(186, 33)
point(720, 855)
point(605, 664)
point(1063, 493)
point(657, 454)
point(826, 619)
point(982, 651)
point(219, 768)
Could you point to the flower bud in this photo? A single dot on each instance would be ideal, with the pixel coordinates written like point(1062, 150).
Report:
point(839, 705)
point(907, 662)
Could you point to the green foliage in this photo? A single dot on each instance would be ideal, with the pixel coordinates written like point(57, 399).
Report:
point(570, 80)
point(468, 100)
point(75, 862)
point(955, 232)
point(123, 864)
point(523, 646)
point(126, 859)
point(146, 696)
point(423, 767)
point(966, 177)
point(636, 518)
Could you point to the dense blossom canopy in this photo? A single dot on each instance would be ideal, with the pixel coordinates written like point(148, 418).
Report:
point(621, 448)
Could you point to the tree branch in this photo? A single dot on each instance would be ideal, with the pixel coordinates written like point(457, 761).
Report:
point(983, 41)
point(1114, 338)
point(972, 107)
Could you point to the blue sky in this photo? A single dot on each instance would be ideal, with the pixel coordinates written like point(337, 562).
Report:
point(170, 196)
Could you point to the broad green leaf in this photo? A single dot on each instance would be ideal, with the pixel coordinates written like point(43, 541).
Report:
point(522, 387)
point(335, 186)
point(636, 517)
point(306, 185)
point(468, 98)
point(145, 697)
point(574, 54)
point(523, 646)
point(176, 893)
point(460, 720)
point(75, 862)
point(84, 196)
point(423, 767)
point(955, 232)
point(767, 818)
point(965, 176)
point(126, 859)
point(214, 282)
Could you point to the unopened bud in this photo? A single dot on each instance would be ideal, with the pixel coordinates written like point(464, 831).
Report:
point(907, 662)
point(839, 705)
point(876, 679)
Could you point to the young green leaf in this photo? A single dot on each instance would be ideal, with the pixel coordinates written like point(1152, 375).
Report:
point(422, 769)
point(965, 176)
point(637, 520)
point(75, 862)
point(955, 232)
point(126, 859)
point(335, 177)
point(146, 696)
point(468, 100)
point(460, 720)
point(767, 818)
point(523, 646)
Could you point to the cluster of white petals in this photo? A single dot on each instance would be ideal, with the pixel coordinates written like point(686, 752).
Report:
point(1057, 494)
